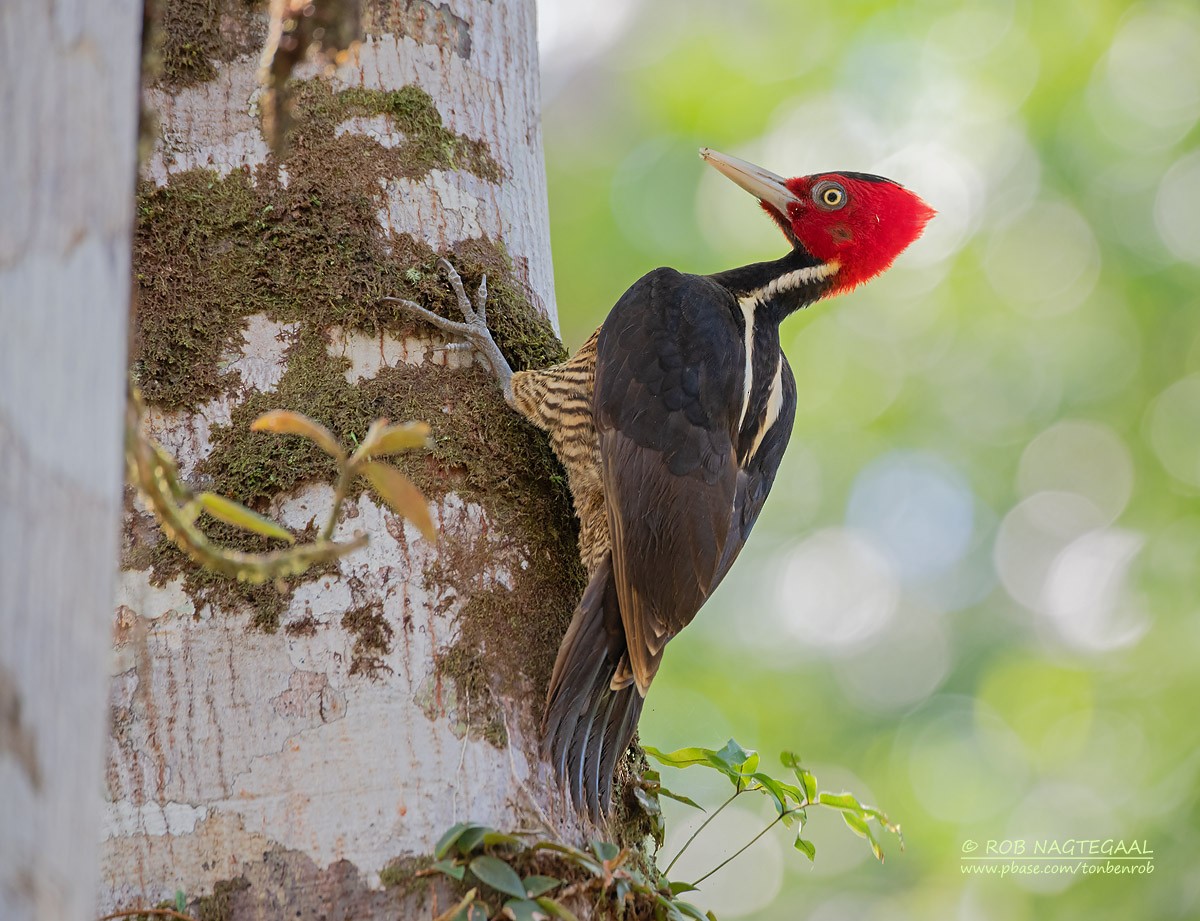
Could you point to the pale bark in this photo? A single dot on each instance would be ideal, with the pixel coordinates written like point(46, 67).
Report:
point(252, 755)
point(68, 74)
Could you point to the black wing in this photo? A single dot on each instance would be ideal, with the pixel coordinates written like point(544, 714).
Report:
point(758, 475)
point(669, 366)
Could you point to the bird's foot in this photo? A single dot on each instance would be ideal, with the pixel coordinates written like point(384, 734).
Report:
point(473, 327)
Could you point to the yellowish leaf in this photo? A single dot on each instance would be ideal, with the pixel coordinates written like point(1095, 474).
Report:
point(383, 439)
point(366, 447)
point(286, 422)
point(401, 495)
point(239, 516)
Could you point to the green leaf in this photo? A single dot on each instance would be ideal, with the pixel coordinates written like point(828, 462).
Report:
point(478, 911)
point(860, 827)
point(450, 868)
point(807, 781)
point(673, 912)
point(180, 901)
point(773, 787)
point(556, 910)
point(499, 838)
point(401, 495)
point(690, 910)
point(472, 838)
point(807, 848)
point(499, 875)
point(524, 910)
point(840, 801)
point(539, 885)
point(810, 785)
point(677, 888)
point(448, 838)
point(679, 798)
point(737, 757)
point(286, 422)
point(239, 516)
point(857, 824)
point(684, 757)
point(605, 850)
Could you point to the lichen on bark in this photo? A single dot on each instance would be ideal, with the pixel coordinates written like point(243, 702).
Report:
point(305, 245)
point(312, 252)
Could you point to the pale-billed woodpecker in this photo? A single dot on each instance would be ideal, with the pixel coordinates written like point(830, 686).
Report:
point(671, 421)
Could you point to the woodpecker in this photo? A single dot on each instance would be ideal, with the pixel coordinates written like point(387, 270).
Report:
point(671, 421)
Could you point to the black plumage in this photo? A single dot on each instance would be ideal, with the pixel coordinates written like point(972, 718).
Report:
point(688, 453)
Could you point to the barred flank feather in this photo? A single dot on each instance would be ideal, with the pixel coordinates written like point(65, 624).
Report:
point(558, 400)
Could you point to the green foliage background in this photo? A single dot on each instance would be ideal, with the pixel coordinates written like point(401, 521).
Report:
point(973, 593)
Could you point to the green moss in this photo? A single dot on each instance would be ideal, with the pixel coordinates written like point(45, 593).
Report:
point(217, 907)
point(310, 251)
point(185, 317)
point(190, 35)
point(401, 873)
point(427, 143)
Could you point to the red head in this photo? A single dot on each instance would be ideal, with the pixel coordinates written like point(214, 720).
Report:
point(859, 221)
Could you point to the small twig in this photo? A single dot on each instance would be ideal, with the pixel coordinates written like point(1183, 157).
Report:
point(745, 846)
point(152, 471)
point(703, 825)
point(345, 478)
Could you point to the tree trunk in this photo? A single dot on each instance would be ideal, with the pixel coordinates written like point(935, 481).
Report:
point(294, 751)
point(68, 146)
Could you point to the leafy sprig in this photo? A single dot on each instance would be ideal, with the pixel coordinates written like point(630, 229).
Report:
point(487, 860)
point(791, 800)
point(155, 475)
point(484, 858)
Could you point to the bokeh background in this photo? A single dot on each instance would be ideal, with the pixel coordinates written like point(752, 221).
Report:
point(972, 597)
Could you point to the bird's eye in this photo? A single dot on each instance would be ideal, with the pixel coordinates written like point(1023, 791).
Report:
point(829, 195)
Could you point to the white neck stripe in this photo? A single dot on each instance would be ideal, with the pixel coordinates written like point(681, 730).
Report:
point(753, 300)
point(747, 304)
point(791, 281)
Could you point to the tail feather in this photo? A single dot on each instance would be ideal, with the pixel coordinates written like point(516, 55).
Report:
point(588, 726)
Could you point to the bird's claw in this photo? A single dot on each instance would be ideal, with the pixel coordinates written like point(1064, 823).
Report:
point(481, 299)
point(474, 312)
point(473, 327)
